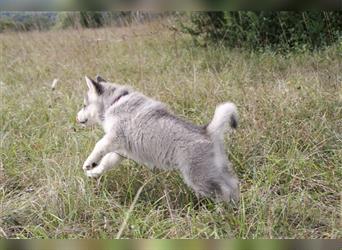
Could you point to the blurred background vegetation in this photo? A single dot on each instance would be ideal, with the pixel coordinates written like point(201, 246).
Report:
point(27, 21)
point(253, 30)
point(312, 29)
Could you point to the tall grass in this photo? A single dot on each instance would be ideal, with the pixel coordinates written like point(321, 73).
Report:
point(287, 151)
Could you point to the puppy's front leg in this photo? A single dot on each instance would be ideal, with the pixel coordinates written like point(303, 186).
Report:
point(109, 161)
point(102, 147)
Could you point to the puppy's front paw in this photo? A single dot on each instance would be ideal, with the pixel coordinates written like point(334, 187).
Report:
point(93, 173)
point(88, 166)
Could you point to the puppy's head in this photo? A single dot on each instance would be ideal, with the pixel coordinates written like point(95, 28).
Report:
point(100, 96)
point(92, 109)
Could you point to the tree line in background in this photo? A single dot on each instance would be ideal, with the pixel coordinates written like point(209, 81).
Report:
point(27, 21)
point(283, 29)
point(248, 29)
point(93, 19)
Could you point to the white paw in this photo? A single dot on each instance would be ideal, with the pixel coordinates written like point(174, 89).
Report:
point(94, 173)
point(89, 165)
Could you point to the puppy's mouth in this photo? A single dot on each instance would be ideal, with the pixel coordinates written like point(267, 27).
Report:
point(84, 122)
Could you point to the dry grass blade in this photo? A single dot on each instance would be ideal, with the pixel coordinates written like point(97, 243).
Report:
point(128, 213)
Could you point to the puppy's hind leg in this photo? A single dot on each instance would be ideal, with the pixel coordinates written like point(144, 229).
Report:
point(230, 187)
point(109, 161)
point(201, 185)
point(220, 187)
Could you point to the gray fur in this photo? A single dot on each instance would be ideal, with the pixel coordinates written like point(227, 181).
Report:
point(142, 129)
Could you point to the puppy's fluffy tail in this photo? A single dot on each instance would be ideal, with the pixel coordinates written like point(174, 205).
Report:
point(224, 113)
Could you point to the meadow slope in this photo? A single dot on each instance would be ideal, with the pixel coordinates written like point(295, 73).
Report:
point(287, 150)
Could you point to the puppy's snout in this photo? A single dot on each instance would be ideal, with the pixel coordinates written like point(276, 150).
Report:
point(84, 121)
point(79, 121)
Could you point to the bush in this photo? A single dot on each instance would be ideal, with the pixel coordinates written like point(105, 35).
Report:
point(68, 20)
point(91, 19)
point(7, 25)
point(86, 19)
point(25, 21)
point(265, 29)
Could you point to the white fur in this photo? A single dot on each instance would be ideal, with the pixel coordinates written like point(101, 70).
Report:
point(102, 147)
point(109, 161)
point(142, 129)
point(223, 113)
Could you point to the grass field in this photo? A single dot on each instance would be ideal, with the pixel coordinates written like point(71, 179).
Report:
point(287, 150)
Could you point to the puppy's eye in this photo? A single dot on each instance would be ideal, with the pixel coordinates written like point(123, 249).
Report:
point(84, 106)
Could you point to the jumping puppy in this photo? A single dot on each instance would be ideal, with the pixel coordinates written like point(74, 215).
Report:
point(142, 129)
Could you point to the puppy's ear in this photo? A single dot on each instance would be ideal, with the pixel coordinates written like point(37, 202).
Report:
point(94, 86)
point(100, 79)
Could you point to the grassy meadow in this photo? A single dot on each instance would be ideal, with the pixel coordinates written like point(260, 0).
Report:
point(287, 150)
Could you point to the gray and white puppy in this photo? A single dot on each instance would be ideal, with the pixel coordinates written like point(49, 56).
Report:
point(142, 129)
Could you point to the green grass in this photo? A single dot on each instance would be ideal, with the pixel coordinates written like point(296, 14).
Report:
point(287, 150)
